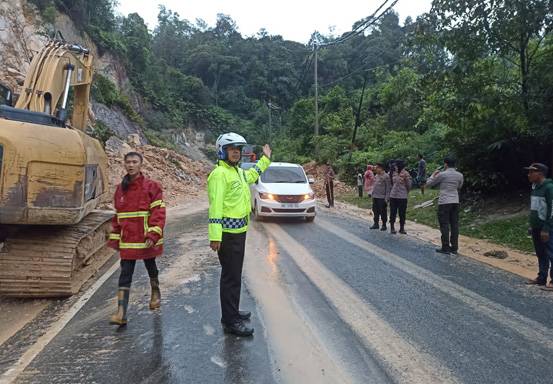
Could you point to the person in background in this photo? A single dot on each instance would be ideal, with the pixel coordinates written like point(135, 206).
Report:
point(360, 182)
point(450, 182)
point(369, 180)
point(541, 222)
point(401, 185)
point(381, 196)
point(421, 173)
point(329, 184)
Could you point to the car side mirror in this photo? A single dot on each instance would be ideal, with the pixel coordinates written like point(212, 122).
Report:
point(311, 179)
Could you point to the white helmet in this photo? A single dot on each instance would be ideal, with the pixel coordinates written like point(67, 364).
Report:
point(228, 139)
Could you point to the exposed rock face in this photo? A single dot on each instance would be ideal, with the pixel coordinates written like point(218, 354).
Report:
point(116, 120)
point(20, 39)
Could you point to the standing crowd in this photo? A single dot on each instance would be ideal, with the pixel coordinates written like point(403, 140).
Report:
point(388, 185)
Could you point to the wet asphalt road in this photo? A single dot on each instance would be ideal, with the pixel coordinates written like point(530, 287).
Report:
point(380, 306)
point(181, 343)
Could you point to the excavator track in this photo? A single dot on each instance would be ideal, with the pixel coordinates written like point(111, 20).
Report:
point(48, 261)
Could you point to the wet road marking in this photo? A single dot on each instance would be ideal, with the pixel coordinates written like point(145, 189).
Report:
point(299, 355)
point(403, 360)
point(17, 368)
point(532, 330)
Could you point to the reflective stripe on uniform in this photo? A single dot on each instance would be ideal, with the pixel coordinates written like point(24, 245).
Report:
point(157, 203)
point(230, 223)
point(114, 236)
point(215, 221)
point(156, 229)
point(131, 215)
point(258, 170)
point(138, 245)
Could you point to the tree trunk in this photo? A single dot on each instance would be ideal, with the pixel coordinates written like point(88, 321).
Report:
point(524, 73)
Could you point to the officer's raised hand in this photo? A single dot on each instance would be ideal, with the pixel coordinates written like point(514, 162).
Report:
point(267, 151)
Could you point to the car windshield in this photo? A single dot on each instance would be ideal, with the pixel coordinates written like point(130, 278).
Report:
point(283, 175)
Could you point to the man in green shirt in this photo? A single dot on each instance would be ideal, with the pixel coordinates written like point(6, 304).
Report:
point(541, 222)
point(229, 210)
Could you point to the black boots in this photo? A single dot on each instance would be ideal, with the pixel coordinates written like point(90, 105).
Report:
point(402, 229)
point(392, 229)
point(238, 328)
point(155, 298)
point(384, 227)
point(244, 315)
point(120, 318)
point(375, 226)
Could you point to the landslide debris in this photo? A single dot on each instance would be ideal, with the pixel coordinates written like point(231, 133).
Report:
point(318, 171)
point(182, 178)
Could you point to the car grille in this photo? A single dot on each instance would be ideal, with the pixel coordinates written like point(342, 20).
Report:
point(289, 198)
point(282, 210)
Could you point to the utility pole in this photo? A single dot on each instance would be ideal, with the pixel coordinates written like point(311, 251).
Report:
point(316, 90)
point(269, 106)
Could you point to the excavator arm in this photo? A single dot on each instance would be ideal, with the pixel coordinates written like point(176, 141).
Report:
point(58, 68)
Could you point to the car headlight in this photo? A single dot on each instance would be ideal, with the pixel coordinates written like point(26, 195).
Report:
point(266, 196)
point(308, 196)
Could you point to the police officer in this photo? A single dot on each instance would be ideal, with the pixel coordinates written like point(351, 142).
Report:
point(450, 182)
point(229, 210)
point(381, 196)
point(141, 213)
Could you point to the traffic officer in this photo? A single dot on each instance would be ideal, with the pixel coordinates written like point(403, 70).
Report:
point(137, 231)
point(229, 210)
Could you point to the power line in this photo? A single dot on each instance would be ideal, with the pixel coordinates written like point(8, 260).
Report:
point(371, 20)
point(308, 62)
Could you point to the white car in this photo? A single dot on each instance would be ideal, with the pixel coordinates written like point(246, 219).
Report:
point(283, 190)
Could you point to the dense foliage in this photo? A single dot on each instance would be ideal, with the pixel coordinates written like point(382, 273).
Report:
point(470, 78)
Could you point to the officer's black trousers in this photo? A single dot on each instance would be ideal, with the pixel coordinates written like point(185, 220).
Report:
point(398, 206)
point(127, 270)
point(448, 217)
point(231, 257)
point(380, 211)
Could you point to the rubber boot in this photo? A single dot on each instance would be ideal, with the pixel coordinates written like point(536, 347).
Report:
point(402, 229)
point(393, 229)
point(155, 298)
point(120, 318)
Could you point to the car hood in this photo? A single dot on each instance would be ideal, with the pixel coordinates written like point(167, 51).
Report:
point(284, 188)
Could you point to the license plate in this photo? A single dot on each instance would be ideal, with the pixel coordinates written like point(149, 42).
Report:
point(289, 205)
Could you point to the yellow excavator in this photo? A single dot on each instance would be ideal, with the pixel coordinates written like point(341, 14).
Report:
point(53, 177)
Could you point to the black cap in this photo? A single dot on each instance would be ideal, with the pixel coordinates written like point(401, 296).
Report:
point(538, 167)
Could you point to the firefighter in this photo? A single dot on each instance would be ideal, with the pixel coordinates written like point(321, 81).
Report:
point(137, 232)
point(229, 211)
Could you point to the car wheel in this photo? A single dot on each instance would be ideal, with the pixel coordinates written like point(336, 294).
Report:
point(256, 216)
point(310, 219)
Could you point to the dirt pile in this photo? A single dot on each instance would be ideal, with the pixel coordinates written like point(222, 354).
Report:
point(182, 178)
point(318, 171)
